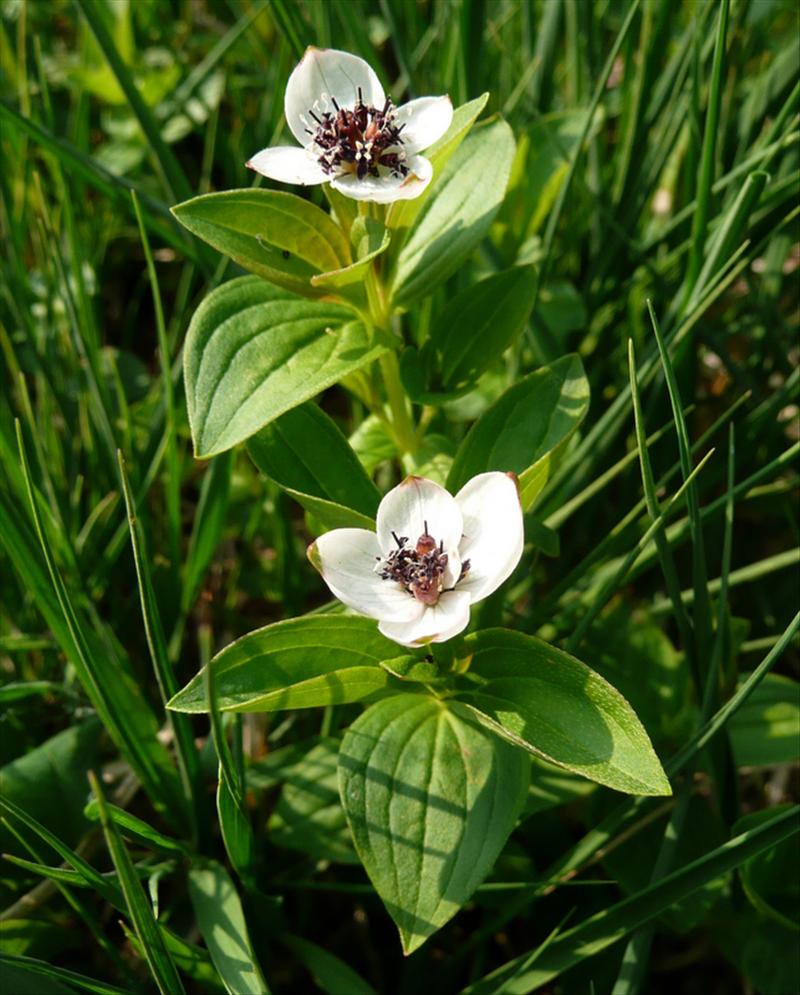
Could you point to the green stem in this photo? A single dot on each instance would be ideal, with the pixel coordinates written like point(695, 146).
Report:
point(401, 422)
point(403, 426)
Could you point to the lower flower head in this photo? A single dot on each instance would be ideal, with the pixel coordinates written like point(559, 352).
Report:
point(431, 557)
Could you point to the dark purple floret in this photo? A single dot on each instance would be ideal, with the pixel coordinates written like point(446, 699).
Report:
point(359, 140)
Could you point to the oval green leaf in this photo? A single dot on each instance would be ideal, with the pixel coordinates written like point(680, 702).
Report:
point(308, 816)
point(402, 213)
point(457, 214)
point(300, 663)
point(560, 710)
point(431, 799)
point(523, 430)
point(479, 324)
point(277, 235)
point(254, 351)
point(304, 452)
point(370, 240)
point(766, 729)
point(221, 921)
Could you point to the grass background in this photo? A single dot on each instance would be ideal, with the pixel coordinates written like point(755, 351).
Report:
point(683, 194)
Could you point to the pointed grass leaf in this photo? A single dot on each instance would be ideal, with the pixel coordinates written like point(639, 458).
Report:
point(304, 452)
point(158, 959)
point(29, 976)
point(523, 430)
point(254, 351)
point(136, 829)
point(431, 799)
point(299, 663)
point(455, 217)
point(103, 671)
point(479, 324)
point(220, 918)
point(560, 710)
point(275, 234)
point(529, 972)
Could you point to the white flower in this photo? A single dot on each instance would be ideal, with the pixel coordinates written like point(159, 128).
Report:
point(351, 134)
point(432, 557)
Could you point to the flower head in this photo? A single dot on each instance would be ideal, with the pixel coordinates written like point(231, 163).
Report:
point(351, 133)
point(433, 556)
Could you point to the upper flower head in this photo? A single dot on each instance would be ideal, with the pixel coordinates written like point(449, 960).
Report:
point(351, 133)
point(432, 557)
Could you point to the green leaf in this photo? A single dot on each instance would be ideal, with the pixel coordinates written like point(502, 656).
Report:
point(479, 324)
point(103, 670)
point(299, 663)
point(431, 799)
point(457, 214)
point(254, 351)
point(191, 960)
point(237, 833)
point(94, 879)
point(22, 978)
point(309, 816)
point(557, 708)
point(372, 443)
point(17, 974)
point(304, 452)
point(135, 828)
point(403, 212)
point(330, 974)
point(221, 921)
point(550, 143)
point(523, 430)
point(49, 782)
point(139, 908)
point(766, 729)
point(530, 971)
point(370, 239)
point(277, 235)
point(770, 878)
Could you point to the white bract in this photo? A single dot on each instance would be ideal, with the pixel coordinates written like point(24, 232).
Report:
point(432, 557)
point(350, 132)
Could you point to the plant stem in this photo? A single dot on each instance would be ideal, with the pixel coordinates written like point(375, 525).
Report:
point(401, 422)
point(403, 426)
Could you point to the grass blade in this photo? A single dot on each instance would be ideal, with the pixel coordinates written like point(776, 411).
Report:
point(119, 704)
point(167, 683)
point(706, 174)
point(139, 908)
point(609, 925)
point(174, 179)
point(44, 970)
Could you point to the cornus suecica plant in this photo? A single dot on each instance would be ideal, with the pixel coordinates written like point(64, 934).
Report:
point(434, 772)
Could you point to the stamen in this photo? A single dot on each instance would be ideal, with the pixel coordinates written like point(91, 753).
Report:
point(420, 568)
point(359, 142)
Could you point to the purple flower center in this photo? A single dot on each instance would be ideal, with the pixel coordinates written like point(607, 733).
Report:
point(419, 568)
point(359, 140)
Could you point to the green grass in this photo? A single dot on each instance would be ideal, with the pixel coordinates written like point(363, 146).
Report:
point(655, 194)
